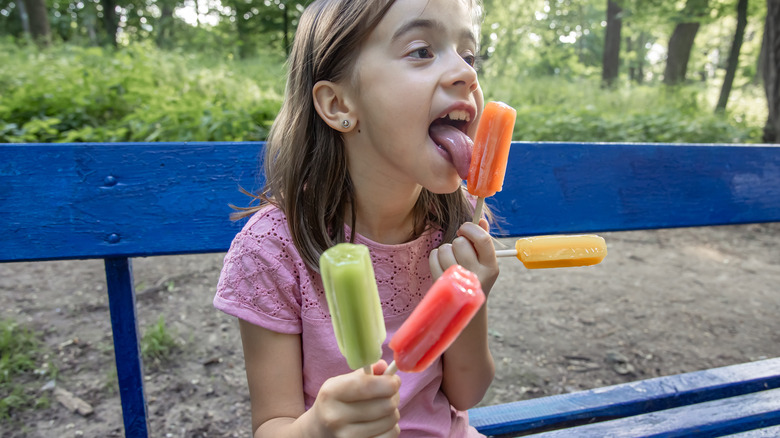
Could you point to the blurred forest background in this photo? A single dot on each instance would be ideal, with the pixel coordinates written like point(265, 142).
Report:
point(213, 70)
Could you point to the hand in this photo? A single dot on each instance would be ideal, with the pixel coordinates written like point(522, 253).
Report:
point(359, 405)
point(473, 249)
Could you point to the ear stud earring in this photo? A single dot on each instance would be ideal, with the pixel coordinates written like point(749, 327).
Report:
point(345, 124)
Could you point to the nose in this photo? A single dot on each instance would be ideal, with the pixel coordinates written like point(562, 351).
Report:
point(460, 73)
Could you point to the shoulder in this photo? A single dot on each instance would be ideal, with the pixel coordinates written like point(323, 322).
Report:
point(266, 231)
point(264, 245)
point(260, 276)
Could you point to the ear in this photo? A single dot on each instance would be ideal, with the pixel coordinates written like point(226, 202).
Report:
point(333, 106)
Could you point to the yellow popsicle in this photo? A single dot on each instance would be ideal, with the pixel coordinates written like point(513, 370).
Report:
point(541, 252)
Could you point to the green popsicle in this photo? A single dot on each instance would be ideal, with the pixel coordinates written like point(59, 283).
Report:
point(353, 301)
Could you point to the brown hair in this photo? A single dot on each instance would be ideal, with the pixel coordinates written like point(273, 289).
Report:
point(305, 162)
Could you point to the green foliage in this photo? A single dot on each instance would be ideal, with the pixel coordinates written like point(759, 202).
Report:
point(554, 109)
point(158, 344)
point(139, 93)
point(22, 369)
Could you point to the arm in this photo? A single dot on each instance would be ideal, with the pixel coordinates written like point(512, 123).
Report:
point(353, 404)
point(468, 365)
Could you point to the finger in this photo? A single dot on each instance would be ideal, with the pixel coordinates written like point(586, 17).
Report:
point(359, 386)
point(384, 427)
point(464, 253)
point(373, 410)
point(393, 433)
point(480, 240)
point(379, 368)
point(483, 223)
point(446, 256)
point(433, 262)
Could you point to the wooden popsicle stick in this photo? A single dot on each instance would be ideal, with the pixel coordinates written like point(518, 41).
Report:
point(478, 210)
point(367, 369)
point(506, 253)
point(391, 369)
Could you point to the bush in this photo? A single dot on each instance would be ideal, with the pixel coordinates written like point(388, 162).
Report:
point(554, 109)
point(141, 93)
point(138, 93)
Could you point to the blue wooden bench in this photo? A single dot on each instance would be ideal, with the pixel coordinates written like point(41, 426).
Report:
point(119, 201)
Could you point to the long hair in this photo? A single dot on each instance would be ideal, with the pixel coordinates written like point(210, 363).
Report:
point(305, 161)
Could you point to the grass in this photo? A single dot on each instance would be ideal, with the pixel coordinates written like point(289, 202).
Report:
point(159, 344)
point(23, 369)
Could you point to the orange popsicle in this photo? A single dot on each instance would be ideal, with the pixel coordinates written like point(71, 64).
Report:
point(540, 252)
point(437, 320)
point(491, 151)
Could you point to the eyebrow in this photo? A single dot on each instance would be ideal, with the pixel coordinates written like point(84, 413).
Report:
point(425, 23)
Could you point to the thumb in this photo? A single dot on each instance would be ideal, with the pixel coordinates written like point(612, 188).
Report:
point(379, 368)
point(484, 224)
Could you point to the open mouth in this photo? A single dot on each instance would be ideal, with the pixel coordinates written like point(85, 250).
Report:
point(449, 133)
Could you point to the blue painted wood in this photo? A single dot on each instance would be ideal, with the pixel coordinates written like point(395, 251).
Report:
point(91, 200)
point(711, 419)
point(626, 399)
point(127, 346)
point(766, 432)
point(60, 201)
point(587, 187)
point(114, 201)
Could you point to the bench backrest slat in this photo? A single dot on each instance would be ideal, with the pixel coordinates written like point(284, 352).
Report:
point(92, 200)
point(64, 201)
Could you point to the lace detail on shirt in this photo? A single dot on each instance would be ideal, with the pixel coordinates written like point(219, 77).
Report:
point(264, 272)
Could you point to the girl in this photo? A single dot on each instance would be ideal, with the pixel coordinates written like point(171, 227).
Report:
point(370, 146)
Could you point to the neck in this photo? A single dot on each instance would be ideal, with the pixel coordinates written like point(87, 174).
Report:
point(386, 218)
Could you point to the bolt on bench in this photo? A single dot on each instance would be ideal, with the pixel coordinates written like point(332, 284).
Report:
point(116, 201)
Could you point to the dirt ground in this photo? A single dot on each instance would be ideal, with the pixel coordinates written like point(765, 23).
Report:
point(662, 302)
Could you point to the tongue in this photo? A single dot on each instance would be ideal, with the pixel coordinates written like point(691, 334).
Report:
point(456, 143)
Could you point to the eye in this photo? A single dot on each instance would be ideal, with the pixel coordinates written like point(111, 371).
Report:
point(473, 60)
point(422, 53)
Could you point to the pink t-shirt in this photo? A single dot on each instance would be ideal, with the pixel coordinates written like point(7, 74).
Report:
point(265, 282)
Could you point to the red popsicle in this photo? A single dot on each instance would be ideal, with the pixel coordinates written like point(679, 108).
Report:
point(491, 151)
point(438, 319)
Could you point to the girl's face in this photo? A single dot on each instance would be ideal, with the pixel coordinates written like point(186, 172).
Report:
point(417, 97)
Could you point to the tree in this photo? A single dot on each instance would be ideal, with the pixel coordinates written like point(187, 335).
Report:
point(110, 20)
point(39, 21)
point(637, 57)
point(611, 60)
point(771, 70)
point(681, 41)
point(165, 23)
point(733, 60)
point(23, 16)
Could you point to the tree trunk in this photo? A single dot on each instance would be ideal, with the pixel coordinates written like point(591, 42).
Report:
point(109, 20)
point(246, 47)
point(286, 31)
point(39, 21)
point(23, 16)
point(680, 46)
point(681, 41)
point(631, 65)
point(611, 59)
point(165, 25)
point(771, 71)
point(733, 60)
point(641, 54)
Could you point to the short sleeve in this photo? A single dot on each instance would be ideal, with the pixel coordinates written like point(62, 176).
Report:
point(257, 283)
